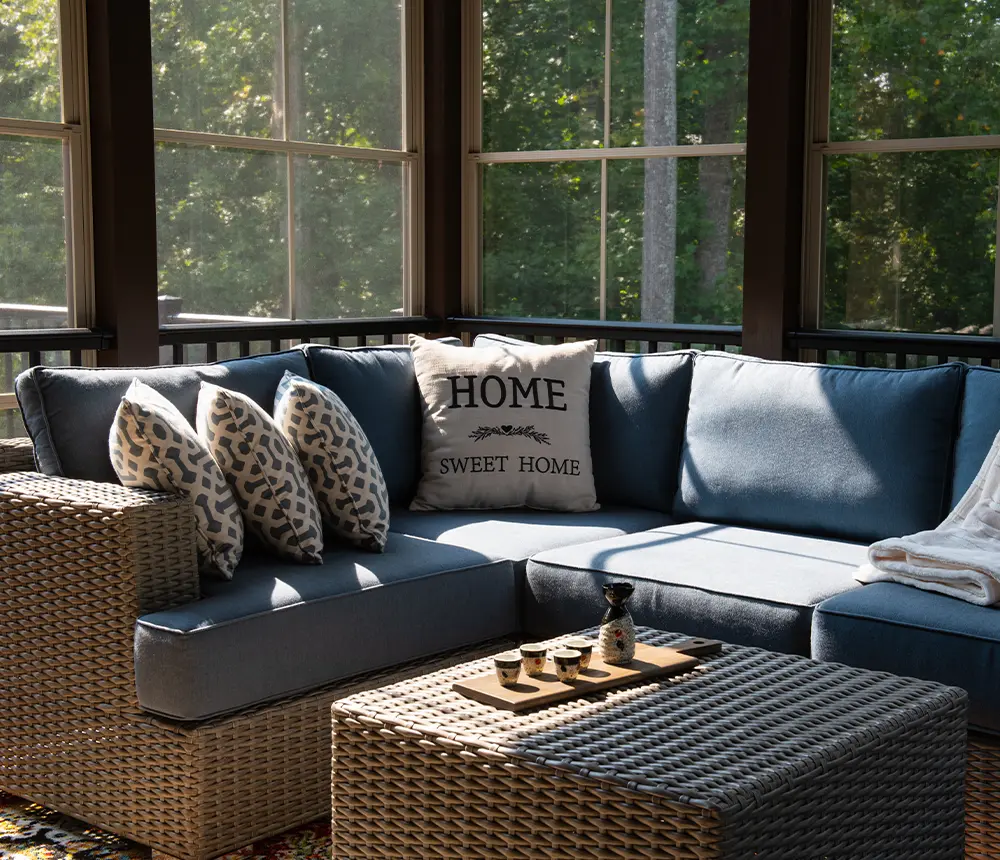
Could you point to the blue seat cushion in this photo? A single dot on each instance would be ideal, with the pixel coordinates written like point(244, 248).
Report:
point(637, 408)
point(856, 453)
point(741, 585)
point(978, 427)
point(68, 410)
point(919, 634)
point(280, 629)
point(518, 534)
point(379, 386)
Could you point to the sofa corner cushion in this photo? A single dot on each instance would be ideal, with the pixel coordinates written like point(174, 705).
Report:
point(638, 403)
point(378, 385)
point(979, 423)
point(907, 631)
point(280, 629)
point(68, 411)
point(746, 586)
point(859, 453)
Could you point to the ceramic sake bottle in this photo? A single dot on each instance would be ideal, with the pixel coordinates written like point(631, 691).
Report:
point(617, 637)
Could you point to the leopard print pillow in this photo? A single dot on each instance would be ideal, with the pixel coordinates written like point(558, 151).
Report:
point(153, 447)
point(267, 478)
point(337, 457)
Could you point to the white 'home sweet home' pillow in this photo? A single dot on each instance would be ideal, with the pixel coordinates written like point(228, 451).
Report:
point(505, 428)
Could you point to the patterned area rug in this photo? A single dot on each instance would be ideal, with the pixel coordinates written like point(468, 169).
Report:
point(30, 832)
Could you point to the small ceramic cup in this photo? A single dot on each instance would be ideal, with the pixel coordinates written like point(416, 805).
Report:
point(533, 659)
point(567, 664)
point(508, 669)
point(584, 646)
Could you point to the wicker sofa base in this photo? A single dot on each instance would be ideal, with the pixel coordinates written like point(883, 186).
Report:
point(982, 798)
point(196, 792)
point(191, 791)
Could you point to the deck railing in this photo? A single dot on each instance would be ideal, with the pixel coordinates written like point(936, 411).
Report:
point(614, 336)
point(893, 349)
point(34, 335)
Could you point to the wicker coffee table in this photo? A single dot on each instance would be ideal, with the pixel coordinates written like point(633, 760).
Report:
point(753, 754)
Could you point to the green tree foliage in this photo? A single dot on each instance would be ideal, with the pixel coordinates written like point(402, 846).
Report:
point(543, 88)
point(32, 230)
point(911, 239)
point(222, 214)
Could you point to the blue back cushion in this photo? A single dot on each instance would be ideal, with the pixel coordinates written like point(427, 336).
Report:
point(637, 409)
point(68, 410)
point(858, 453)
point(379, 386)
point(978, 427)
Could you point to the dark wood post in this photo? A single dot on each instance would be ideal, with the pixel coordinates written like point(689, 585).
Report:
point(776, 146)
point(443, 157)
point(121, 142)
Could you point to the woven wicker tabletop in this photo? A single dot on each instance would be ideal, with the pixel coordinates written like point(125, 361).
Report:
point(748, 740)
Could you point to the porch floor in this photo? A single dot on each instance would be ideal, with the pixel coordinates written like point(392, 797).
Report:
point(32, 832)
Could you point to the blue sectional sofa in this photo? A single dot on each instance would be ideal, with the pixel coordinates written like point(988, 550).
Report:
point(737, 495)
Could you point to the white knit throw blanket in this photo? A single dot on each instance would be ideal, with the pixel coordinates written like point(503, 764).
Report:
point(961, 557)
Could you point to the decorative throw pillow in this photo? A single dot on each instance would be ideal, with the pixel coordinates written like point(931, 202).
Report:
point(267, 478)
point(153, 447)
point(505, 428)
point(338, 459)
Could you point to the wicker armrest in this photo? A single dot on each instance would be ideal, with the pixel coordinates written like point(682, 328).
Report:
point(79, 562)
point(16, 455)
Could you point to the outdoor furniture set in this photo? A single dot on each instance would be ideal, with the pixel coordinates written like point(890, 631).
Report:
point(738, 497)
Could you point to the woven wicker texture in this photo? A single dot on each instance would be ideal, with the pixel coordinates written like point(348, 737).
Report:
point(16, 455)
point(81, 562)
point(752, 752)
point(982, 799)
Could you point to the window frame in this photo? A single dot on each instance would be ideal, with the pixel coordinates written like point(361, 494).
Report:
point(476, 159)
point(410, 156)
point(819, 145)
point(73, 131)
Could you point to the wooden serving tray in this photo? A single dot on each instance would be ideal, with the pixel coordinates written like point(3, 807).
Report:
point(545, 689)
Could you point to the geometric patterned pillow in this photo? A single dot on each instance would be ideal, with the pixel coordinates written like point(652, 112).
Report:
point(267, 478)
point(342, 468)
point(154, 447)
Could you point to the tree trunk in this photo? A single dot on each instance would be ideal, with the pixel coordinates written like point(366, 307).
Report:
point(278, 108)
point(303, 232)
point(715, 186)
point(659, 244)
